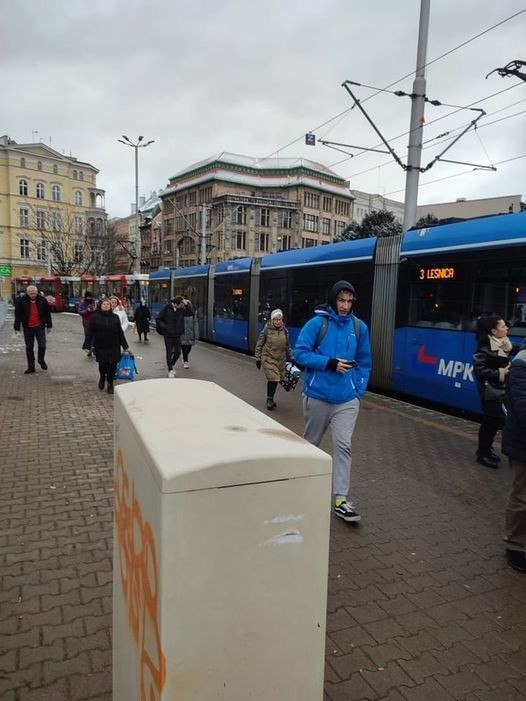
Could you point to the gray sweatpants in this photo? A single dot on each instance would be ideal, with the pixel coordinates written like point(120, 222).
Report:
point(342, 419)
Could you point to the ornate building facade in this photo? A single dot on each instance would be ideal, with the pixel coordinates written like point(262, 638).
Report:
point(232, 206)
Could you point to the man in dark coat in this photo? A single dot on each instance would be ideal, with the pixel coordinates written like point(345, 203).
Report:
point(170, 324)
point(33, 313)
point(514, 446)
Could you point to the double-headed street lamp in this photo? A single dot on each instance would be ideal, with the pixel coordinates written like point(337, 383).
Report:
point(137, 238)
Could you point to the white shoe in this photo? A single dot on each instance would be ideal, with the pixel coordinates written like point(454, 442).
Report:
point(186, 366)
point(171, 373)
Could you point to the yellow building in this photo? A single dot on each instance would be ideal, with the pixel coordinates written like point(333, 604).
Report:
point(52, 214)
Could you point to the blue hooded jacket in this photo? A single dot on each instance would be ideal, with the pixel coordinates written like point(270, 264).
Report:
point(340, 342)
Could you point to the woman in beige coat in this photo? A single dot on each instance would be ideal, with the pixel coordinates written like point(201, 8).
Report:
point(272, 350)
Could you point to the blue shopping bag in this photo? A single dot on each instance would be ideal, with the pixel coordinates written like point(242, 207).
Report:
point(126, 367)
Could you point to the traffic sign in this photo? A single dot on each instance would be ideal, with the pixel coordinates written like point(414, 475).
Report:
point(5, 270)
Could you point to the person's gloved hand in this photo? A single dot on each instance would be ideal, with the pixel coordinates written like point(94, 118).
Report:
point(258, 364)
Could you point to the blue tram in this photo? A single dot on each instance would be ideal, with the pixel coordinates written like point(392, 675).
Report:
point(420, 293)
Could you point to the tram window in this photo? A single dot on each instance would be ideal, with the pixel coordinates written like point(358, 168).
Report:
point(435, 296)
point(231, 296)
point(500, 288)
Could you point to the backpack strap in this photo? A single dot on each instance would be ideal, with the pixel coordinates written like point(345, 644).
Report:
point(325, 325)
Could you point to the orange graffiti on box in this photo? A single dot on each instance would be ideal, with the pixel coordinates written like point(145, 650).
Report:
point(139, 580)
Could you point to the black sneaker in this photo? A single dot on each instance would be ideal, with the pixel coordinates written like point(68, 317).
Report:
point(344, 510)
point(43, 364)
point(101, 383)
point(516, 559)
point(29, 371)
point(487, 461)
point(271, 404)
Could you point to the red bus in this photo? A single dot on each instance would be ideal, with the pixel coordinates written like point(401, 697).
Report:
point(53, 290)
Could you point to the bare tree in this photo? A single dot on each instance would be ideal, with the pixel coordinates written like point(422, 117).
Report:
point(64, 243)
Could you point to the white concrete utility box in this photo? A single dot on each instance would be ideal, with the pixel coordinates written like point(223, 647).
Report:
point(221, 549)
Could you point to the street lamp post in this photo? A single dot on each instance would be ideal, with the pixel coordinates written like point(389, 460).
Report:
point(137, 238)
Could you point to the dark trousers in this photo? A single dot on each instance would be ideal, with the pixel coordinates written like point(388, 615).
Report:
point(30, 334)
point(186, 352)
point(173, 350)
point(271, 389)
point(107, 370)
point(140, 333)
point(488, 428)
point(88, 339)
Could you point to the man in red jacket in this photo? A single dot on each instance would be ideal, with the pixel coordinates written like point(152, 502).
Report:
point(32, 312)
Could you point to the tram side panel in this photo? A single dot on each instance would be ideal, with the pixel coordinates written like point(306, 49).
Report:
point(440, 297)
point(232, 304)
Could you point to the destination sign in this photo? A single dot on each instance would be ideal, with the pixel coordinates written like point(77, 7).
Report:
point(436, 273)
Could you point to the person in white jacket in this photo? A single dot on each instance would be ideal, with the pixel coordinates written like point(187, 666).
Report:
point(118, 309)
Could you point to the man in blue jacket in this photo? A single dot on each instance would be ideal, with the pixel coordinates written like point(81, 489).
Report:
point(333, 347)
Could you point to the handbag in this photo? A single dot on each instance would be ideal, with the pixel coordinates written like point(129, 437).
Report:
point(490, 393)
point(126, 367)
point(291, 378)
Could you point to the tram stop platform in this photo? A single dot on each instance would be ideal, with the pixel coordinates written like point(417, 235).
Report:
point(421, 605)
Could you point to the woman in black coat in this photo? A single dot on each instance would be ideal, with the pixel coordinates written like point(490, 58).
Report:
point(142, 320)
point(108, 338)
point(491, 365)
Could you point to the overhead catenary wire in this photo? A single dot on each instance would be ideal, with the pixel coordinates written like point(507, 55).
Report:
point(456, 175)
point(411, 73)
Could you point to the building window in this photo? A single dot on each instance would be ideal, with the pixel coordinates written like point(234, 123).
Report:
point(41, 220)
point(22, 162)
point(78, 197)
point(285, 242)
point(55, 169)
point(74, 175)
point(81, 175)
point(261, 242)
point(78, 253)
point(39, 165)
point(238, 240)
point(40, 191)
point(24, 248)
point(263, 216)
point(285, 219)
point(41, 250)
point(205, 195)
point(310, 222)
point(22, 188)
point(79, 224)
point(339, 226)
point(326, 226)
point(55, 193)
point(308, 243)
point(327, 204)
point(24, 216)
point(342, 208)
point(239, 216)
point(56, 221)
point(311, 200)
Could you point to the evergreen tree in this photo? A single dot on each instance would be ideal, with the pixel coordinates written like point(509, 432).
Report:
point(379, 223)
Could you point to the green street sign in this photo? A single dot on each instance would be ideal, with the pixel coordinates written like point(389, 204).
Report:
point(5, 270)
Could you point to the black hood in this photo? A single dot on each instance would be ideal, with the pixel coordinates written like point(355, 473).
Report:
point(337, 288)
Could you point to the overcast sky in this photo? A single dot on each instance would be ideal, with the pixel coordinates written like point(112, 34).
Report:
point(249, 77)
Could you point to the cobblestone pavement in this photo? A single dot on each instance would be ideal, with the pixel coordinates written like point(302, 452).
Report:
point(421, 605)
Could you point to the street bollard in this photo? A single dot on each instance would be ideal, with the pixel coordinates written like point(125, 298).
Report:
point(220, 549)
